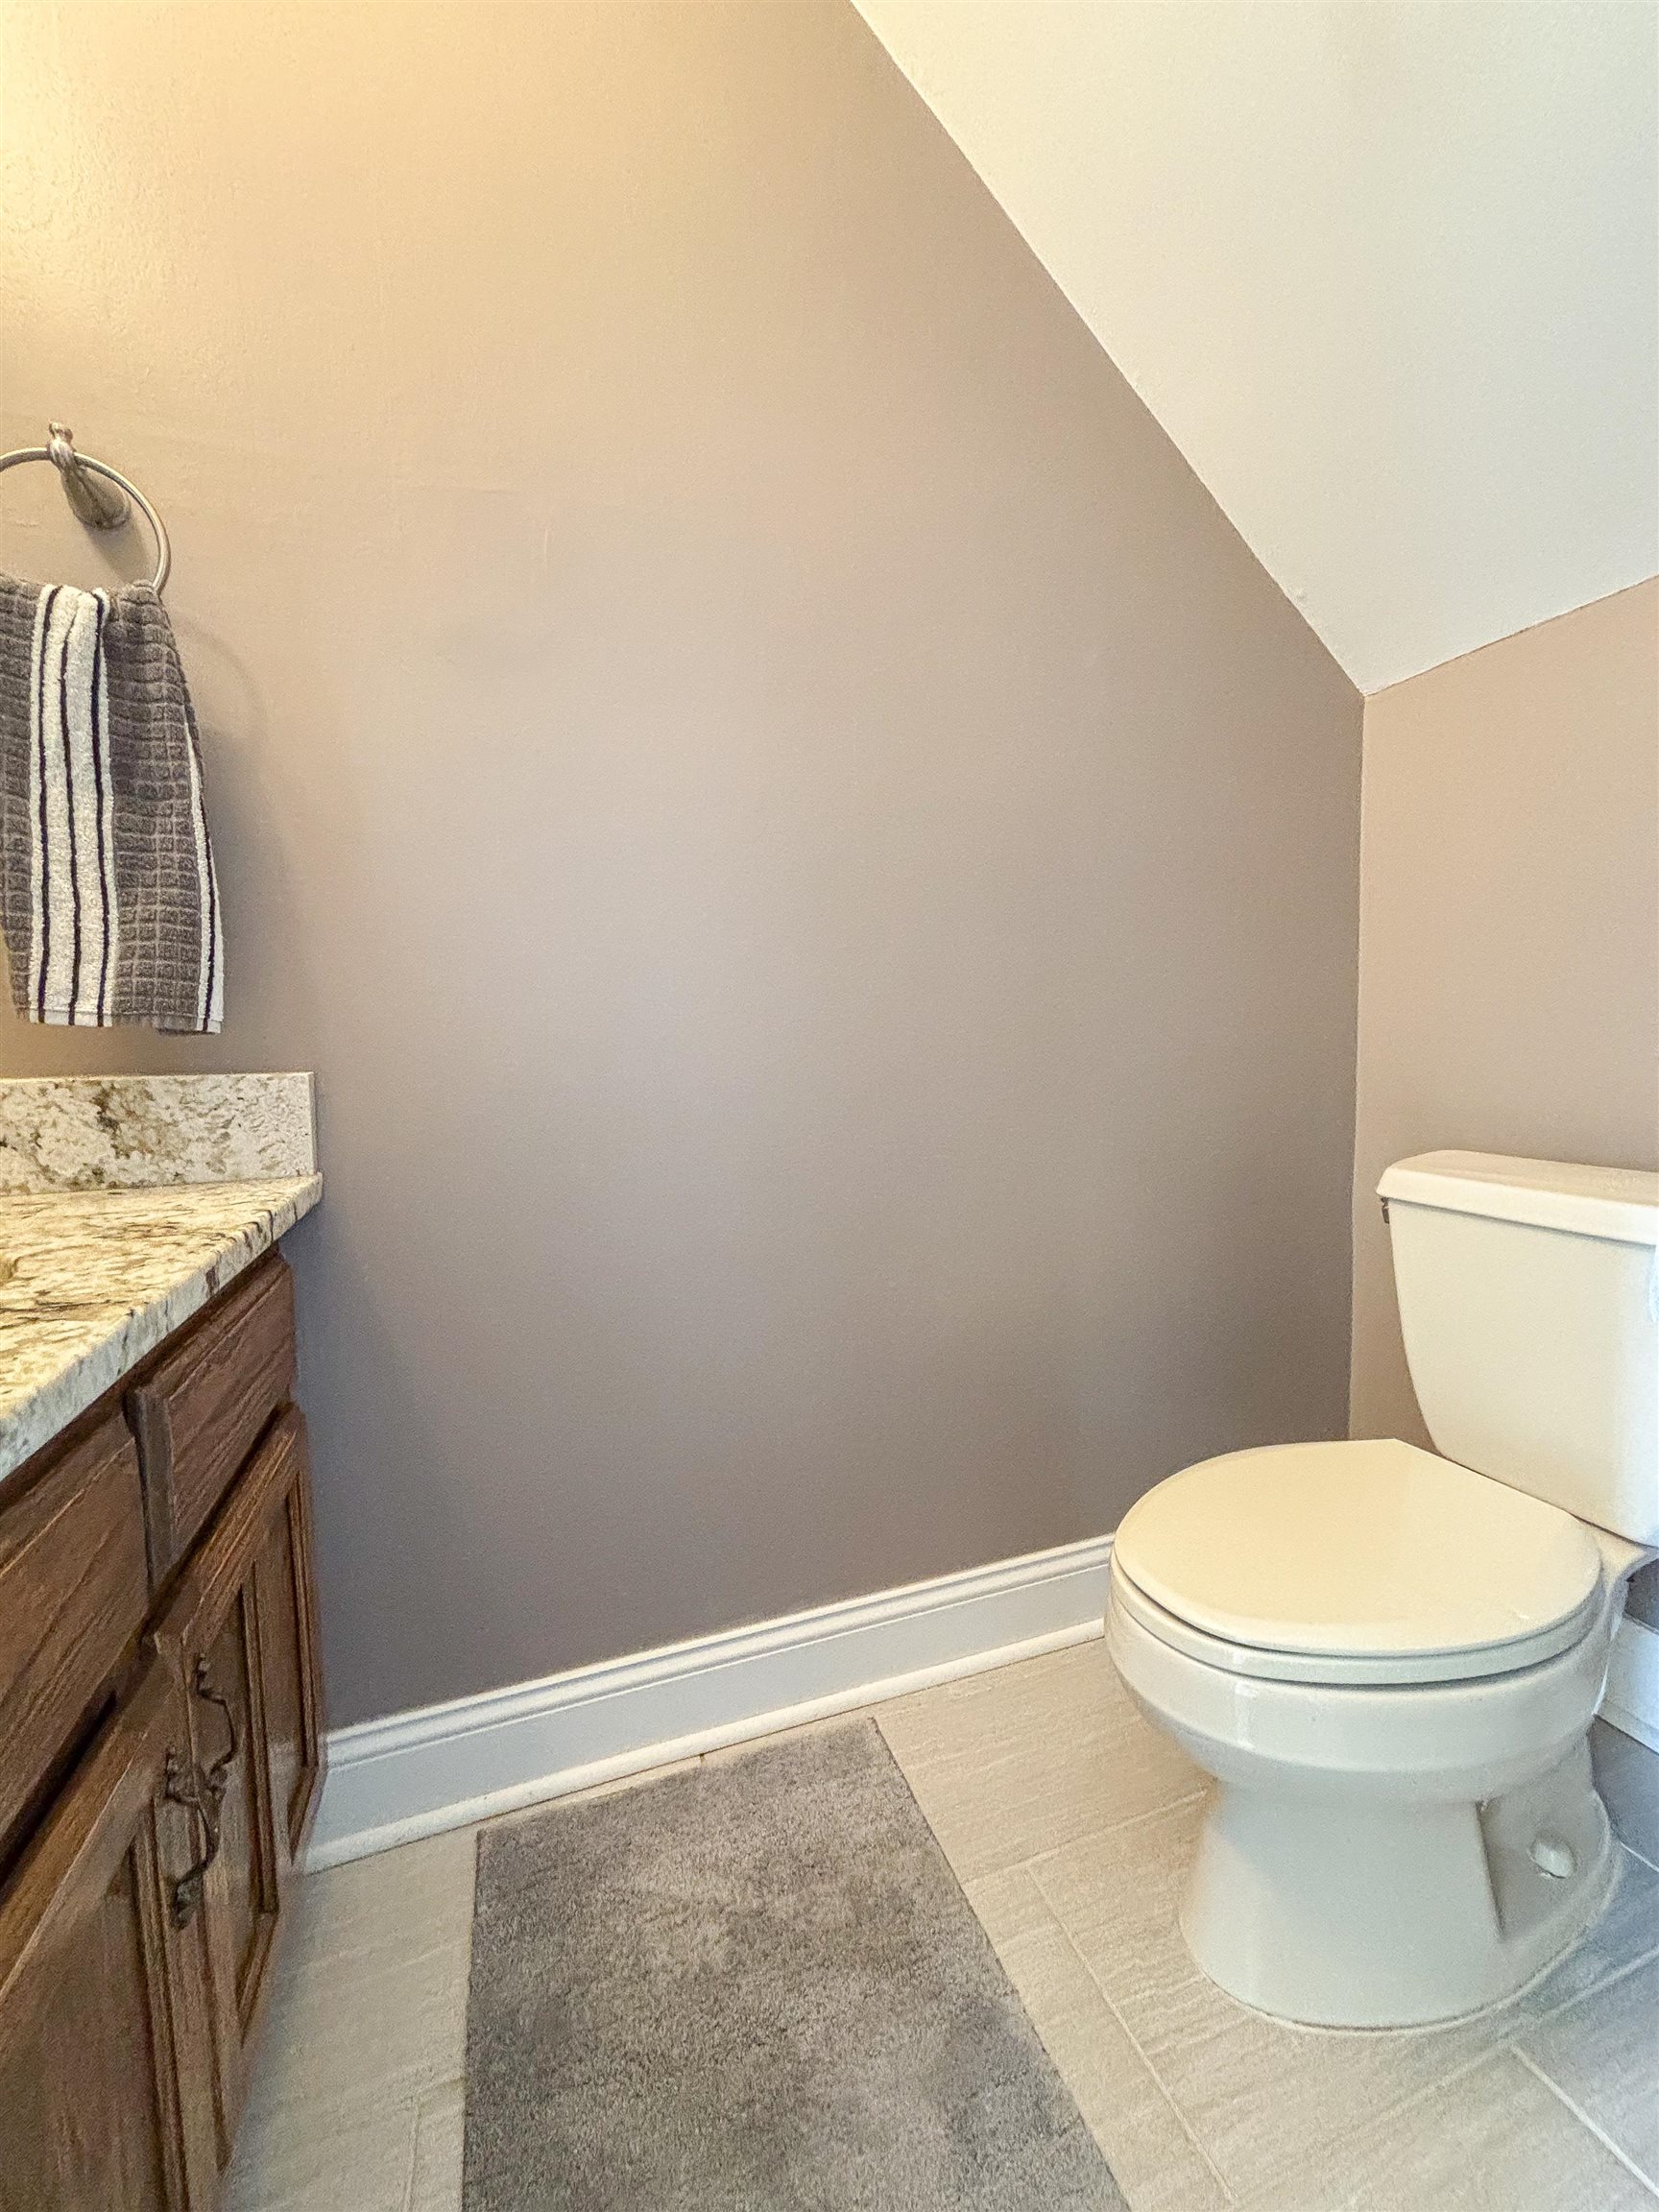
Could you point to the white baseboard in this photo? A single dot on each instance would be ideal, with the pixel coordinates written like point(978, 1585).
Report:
point(1630, 1700)
point(415, 1773)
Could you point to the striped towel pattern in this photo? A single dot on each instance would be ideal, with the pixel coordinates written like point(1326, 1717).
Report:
point(108, 903)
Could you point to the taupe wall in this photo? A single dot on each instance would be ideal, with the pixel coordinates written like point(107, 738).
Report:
point(817, 874)
point(1509, 931)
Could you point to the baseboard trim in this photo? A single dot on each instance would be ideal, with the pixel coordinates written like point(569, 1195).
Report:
point(1630, 1700)
point(417, 1773)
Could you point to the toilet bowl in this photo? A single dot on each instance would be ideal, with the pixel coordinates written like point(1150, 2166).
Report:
point(1388, 1658)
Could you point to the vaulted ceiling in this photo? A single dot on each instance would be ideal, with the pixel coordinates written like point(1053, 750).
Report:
point(1385, 271)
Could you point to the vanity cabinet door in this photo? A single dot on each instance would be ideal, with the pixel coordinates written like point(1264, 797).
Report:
point(240, 1633)
point(106, 2054)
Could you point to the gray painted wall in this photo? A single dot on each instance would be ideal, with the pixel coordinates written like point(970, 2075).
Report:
point(817, 874)
point(1509, 970)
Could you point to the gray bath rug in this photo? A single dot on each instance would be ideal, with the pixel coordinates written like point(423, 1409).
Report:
point(752, 1985)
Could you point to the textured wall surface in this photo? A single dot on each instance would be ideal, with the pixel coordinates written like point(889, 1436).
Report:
point(816, 873)
point(1509, 932)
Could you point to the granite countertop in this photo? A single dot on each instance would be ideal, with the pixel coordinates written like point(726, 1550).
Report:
point(102, 1257)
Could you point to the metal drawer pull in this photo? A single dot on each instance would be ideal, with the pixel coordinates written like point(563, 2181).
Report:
point(201, 1791)
point(217, 1777)
point(186, 1785)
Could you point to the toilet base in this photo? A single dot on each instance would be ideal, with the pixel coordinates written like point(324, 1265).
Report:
point(1363, 1912)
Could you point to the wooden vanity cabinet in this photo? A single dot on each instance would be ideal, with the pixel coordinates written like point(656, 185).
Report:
point(165, 1747)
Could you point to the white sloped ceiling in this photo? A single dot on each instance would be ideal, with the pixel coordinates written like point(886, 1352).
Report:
point(1385, 271)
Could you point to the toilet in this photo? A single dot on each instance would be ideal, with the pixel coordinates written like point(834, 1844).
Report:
point(1389, 1658)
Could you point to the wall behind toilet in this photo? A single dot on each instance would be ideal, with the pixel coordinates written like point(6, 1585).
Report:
point(817, 874)
point(1509, 932)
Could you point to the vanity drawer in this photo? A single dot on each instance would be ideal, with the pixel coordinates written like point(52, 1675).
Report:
point(73, 1594)
point(201, 1409)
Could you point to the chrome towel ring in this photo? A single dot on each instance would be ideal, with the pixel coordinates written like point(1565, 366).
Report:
point(86, 488)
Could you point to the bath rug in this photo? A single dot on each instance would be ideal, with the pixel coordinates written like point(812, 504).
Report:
point(754, 1984)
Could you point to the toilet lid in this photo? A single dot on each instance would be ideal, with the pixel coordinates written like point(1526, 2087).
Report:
point(1373, 1551)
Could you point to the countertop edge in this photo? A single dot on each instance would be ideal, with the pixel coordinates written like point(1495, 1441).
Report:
point(87, 1375)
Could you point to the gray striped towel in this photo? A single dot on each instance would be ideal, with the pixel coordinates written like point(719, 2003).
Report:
point(107, 898)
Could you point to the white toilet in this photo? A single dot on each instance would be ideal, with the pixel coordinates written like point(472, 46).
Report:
point(1389, 1660)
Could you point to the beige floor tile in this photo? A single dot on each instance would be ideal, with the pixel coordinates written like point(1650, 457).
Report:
point(349, 2159)
point(1602, 2054)
point(1016, 1762)
point(420, 1894)
point(1156, 2161)
point(1007, 1905)
point(1497, 2140)
point(1250, 2086)
point(369, 1996)
point(391, 2030)
point(1627, 1776)
point(435, 2183)
point(1158, 2166)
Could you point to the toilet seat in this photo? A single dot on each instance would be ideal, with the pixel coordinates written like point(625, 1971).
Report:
point(1355, 1562)
point(1334, 1668)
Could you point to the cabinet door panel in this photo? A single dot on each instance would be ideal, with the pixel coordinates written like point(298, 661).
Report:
point(109, 2142)
point(105, 2061)
point(239, 1634)
point(284, 1588)
point(284, 1699)
point(226, 1725)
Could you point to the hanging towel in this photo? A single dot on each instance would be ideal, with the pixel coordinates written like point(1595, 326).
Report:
point(107, 898)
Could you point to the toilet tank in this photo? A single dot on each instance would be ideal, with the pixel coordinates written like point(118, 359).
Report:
point(1530, 1306)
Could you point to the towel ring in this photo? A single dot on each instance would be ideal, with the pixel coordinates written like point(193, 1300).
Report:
point(84, 484)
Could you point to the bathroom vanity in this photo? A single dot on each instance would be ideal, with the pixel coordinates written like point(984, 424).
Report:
point(160, 1695)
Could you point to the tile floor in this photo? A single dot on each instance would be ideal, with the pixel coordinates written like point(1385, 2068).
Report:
point(1069, 1821)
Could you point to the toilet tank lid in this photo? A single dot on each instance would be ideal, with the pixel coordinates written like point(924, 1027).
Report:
point(1621, 1204)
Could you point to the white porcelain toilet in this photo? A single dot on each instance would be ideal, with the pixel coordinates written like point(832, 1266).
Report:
point(1389, 1660)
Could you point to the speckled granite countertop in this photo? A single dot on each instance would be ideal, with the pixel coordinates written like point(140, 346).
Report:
point(121, 1215)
